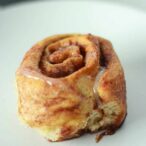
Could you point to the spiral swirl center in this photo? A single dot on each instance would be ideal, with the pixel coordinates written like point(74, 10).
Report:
point(62, 61)
point(63, 54)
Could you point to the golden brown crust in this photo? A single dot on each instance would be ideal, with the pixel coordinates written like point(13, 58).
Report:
point(61, 92)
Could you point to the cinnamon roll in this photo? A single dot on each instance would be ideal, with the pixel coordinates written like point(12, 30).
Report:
point(71, 84)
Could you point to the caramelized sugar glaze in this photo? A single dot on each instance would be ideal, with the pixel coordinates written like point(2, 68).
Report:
point(71, 84)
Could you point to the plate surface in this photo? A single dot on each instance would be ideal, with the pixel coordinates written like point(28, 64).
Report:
point(23, 25)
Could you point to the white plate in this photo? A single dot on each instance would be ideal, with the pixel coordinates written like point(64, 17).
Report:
point(23, 25)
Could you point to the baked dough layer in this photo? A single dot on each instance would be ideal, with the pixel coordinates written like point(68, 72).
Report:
point(70, 84)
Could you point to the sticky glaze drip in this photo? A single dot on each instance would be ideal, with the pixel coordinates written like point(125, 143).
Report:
point(100, 134)
point(98, 76)
point(36, 75)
